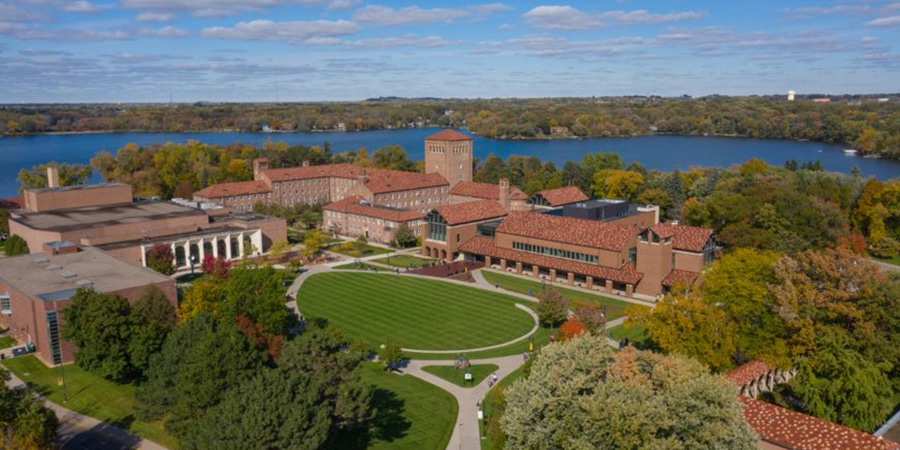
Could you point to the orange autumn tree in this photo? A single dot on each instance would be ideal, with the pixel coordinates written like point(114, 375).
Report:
point(571, 328)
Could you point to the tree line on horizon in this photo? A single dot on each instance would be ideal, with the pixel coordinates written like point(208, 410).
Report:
point(870, 126)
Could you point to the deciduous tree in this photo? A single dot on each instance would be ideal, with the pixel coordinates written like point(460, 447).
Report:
point(161, 259)
point(25, 423)
point(552, 307)
point(15, 245)
point(571, 328)
point(153, 318)
point(100, 324)
point(69, 174)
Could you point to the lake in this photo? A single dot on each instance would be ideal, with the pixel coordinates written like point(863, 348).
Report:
point(661, 152)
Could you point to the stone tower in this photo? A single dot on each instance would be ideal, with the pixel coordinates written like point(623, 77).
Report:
point(449, 153)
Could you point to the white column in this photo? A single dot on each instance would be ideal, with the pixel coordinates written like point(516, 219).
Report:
point(241, 245)
point(187, 253)
point(143, 255)
point(215, 246)
point(228, 246)
point(201, 250)
point(174, 255)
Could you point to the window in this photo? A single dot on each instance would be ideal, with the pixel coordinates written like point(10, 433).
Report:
point(457, 237)
point(559, 253)
point(437, 227)
point(5, 303)
point(632, 254)
point(53, 334)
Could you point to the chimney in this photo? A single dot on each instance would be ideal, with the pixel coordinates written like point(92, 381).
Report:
point(52, 177)
point(363, 177)
point(259, 164)
point(305, 163)
point(504, 192)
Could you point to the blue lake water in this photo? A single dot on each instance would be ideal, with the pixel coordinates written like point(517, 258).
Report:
point(654, 152)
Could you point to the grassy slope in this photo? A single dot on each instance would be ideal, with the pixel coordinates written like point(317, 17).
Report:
point(456, 376)
point(615, 307)
point(367, 250)
point(359, 266)
point(413, 312)
point(7, 341)
point(634, 333)
point(404, 261)
point(412, 414)
point(89, 395)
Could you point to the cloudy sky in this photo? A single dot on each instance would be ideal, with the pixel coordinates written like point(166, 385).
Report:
point(310, 50)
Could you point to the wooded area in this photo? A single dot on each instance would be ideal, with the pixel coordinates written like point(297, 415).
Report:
point(863, 122)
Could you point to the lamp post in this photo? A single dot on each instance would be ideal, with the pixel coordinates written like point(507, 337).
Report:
point(193, 260)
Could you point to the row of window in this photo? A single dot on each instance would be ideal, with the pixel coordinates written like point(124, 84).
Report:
point(557, 252)
point(5, 304)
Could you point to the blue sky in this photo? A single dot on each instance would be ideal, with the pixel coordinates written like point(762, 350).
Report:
point(312, 50)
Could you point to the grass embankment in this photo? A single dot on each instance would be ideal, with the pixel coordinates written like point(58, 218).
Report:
point(614, 307)
point(493, 405)
point(457, 376)
point(635, 333)
point(7, 341)
point(412, 414)
point(358, 251)
point(88, 394)
point(360, 266)
point(413, 312)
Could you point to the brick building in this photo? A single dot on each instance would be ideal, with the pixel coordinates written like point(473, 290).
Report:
point(35, 288)
point(105, 216)
point(448, 227)
point(357, 216)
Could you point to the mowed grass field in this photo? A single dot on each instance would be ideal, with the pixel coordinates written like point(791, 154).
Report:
point(413, 312)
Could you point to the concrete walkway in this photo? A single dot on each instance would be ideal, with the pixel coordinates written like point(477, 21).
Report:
point(80, 432)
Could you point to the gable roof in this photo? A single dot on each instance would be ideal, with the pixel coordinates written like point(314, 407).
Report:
point(355, 205)
point(485, 190)
point(747, 372)
point(471, 211)
point(684, 237)
point(563, 195)
point(230, 189)
point(678, 276)
point(382, 181)
point(588, 233)
point(343, 170)
point(448, 134)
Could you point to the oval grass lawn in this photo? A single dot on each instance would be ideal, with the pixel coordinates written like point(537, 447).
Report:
point(416, 313)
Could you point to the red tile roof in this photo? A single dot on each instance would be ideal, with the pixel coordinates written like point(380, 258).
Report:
point(483, 245)
point(563, 195)
point(448, 134)
point(354, 205)
point(791, 429)
point(382, 181)
point(345, 170)
point(570, 230)
point(231, 189)
point(17, 202)
point(485, 190)
point(678, 276)
point(685, 237)
point(747, 372)
point(471, 211)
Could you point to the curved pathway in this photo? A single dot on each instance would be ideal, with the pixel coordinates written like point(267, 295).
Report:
point(503, 344)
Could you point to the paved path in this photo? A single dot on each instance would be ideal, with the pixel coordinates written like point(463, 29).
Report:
point(80, 432)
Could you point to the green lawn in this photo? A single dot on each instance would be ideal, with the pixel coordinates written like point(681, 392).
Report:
point(89, 395)
point(615, 308)
point(457, 376)
point(895, 260)
point(414, 312)
point(412, 414)
point(634, 333)
point(360, 266)
point(7, 341)
point(367, 250)
point(540, 338)
point(405, 261)
point(191, 277)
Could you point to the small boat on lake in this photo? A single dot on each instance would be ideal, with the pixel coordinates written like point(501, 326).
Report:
point(850, 151)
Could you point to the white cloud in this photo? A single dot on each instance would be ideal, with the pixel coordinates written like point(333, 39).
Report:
point(402, 41)
point(342, 4)
point(384, 15)
point(164, 32)
point(823, 10)
point(10, 12)
point(891, 21)
point(81, 6)
point(561, 18)
point(155, 17)
point(643, 16)
point(212, 8)
point(292, 31)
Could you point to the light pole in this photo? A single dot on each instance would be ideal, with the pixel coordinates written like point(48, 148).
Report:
point(193, 260)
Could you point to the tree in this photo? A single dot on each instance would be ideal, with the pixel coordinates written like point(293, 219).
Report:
point(592, 316)
point(393, 157)
point(100, 324)
point(15, 245)
point(205, 295)
point(199, 362)
point(683, 322)
point(579, 394)
point(69, 175)
point(153, 318)
point(614, 183)
point(161, 259)
point(390, 355)
point(279, 248)
point(360, 245)
point(25, 423)
point(404, 237)
point(256, 292)
point(572, 327)
point(552, 307)
point(216, 266)
point(312, 243)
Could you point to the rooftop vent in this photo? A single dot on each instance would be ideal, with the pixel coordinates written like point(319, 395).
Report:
point(84, 282)
point(41, 260)
point(67, 274)
point(53, 267)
